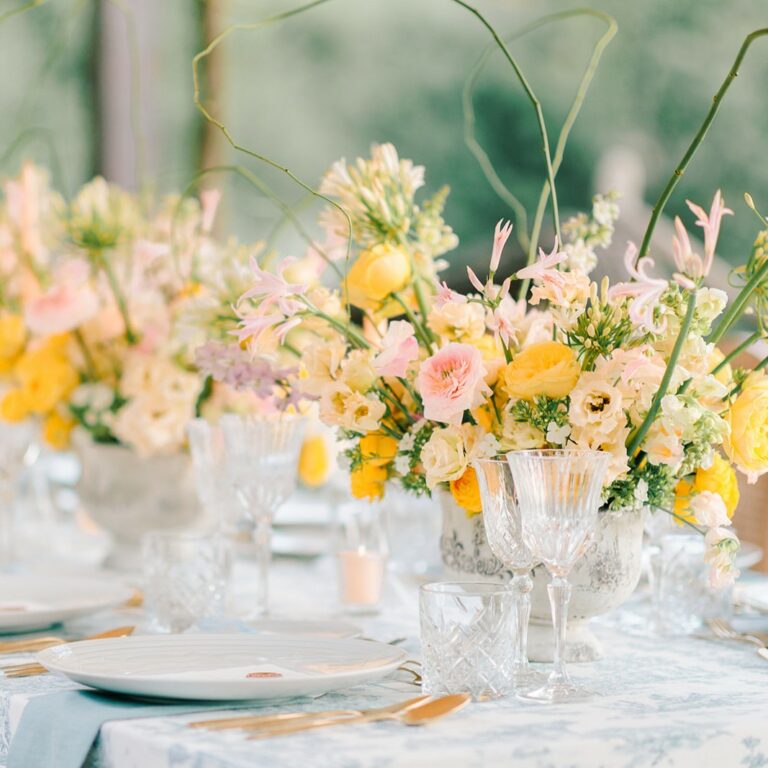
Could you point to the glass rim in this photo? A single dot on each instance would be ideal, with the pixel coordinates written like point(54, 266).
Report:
point(557, 453)
point(472, 588)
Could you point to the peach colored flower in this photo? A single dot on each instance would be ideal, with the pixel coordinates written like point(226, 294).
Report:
point(451, 382)
point(398, 348)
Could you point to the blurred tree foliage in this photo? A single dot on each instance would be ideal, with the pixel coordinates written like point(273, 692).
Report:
point(352, 72)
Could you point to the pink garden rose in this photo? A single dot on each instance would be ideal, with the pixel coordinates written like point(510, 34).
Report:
point(451, 381)
point(398, 348)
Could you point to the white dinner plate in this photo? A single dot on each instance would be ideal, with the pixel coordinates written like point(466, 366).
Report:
point(221, 667)
point(35, 601)
point(323, 628)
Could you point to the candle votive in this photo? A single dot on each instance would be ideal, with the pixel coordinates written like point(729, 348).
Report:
point(361, 576)
point(361, 554)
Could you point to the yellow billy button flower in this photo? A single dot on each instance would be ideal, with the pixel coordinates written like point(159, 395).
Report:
point(13, 406)
point(378, 449)
point(13, 335)
point(367, 481)
point(466, 492)
point(720, 478)
point(547, 368)
point(375, 275)
point(57, 430)
point(747, 444)
point(314, 462)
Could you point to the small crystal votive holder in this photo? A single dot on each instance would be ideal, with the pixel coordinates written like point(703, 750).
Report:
point(186, 578)
point(467, 639)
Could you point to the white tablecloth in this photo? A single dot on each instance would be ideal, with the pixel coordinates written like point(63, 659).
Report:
point(678, 702)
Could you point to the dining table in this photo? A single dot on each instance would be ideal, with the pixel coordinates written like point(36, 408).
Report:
point(672, 701)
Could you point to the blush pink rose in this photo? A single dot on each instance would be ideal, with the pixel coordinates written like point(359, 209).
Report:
point(452, 381)
point(398, 348)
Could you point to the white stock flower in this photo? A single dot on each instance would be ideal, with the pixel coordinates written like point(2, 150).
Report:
point(458, 321)
point(342, 407)
point(709, 510)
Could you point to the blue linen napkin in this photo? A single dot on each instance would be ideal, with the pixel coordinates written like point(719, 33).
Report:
point(59, 729)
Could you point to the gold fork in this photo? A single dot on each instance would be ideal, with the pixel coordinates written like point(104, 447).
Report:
point(30, 669)
point(262, 721)
point(723, 630)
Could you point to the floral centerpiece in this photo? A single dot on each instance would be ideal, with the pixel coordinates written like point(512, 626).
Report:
point(426, 380)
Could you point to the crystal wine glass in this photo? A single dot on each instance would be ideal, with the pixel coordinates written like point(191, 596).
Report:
point(261, 455)
point(15, 442)
point(206, 447)
point(501, 518)
point(559, 496)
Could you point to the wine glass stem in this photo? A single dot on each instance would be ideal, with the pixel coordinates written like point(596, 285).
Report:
point(522, 584)
point(559, 594)
point(262, 537)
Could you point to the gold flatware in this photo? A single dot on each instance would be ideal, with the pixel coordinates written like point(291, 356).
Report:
point(419, 714)
point(31, 669)
point(724, 631)
point(41, 643)
point(136, 600)
point(259, 721)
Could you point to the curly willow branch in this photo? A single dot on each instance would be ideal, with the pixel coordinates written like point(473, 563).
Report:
point(479, 152)
point(265, 189)
point(677, 174)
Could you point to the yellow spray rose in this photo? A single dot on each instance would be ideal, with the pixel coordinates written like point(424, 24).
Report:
point(46, 376)
point(375, 275)
point(547, 368)
point(13, 406)
point(367, 481)
point(466, 492)
point(720, 478)
point(378, 449)
point(56, 430)
point(13, 334)
point(747, 444)
point(314, 462)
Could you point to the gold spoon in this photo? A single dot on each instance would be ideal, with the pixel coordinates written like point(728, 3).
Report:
point(262, 721)
point(420, 714)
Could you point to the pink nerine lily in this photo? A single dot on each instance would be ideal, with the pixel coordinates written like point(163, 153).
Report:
point(500, 237)
point(274, 290)
point(446, 295)
point(545, 273)
point(689, 264)
point(644, 290)
point(710, 223)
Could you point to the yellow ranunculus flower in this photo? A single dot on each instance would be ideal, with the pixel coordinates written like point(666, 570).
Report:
point(13, 406)
point(547, 368)
point(466, 492)
point(747, 444)
point(13, 334)
point(46, 376)
point(314, 462)
point(378, 449)
point(720, 478)
point(367, 482)
point(56, 430)
point(375, 275)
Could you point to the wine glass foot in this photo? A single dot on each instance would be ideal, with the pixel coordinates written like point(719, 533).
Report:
point(527, 679)
point(556, 694)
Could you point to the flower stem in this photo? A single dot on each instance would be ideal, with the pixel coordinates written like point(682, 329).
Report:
point(674, 179)
point(739, 305)
point(637, 438)
point(748, 342)
point(420, 330)
point(122, 307)
point(735, 391)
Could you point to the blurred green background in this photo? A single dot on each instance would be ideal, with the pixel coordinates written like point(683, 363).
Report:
point(328, 83)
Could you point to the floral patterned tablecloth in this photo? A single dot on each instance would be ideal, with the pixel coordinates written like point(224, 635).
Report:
point(677, 702)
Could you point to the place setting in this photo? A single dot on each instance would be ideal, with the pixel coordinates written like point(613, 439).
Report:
point(353, 420)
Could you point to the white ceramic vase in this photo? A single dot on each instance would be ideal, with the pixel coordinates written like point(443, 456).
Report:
point(602, 580)
point(129, 495)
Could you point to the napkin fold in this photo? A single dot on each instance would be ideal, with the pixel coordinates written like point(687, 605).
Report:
point(59, 729)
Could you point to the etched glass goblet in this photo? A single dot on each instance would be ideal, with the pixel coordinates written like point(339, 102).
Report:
point(206, 447)
point(501, 518)
point(559, 496)
point(261, 456)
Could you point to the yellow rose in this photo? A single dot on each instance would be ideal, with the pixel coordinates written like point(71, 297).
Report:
point(56, 430)
point(13, 407)
point(547, 368)
point(720, 478)
point(375, 275)
point(747, 444)
point(13, 334)
point(378, 449)
point(314, 462)
point(367, 482)
point(466, 492)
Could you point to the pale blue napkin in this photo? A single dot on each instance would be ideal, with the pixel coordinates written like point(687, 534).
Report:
point(59, 729)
